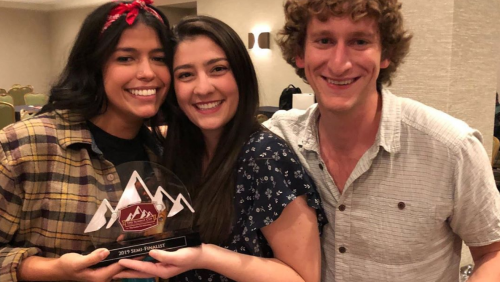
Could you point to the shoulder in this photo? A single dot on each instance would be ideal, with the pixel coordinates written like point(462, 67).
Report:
point(44, 124)
point(435, 124)
point(27, 137)
point(262, 141)
point(267, 147)
point(288, 124)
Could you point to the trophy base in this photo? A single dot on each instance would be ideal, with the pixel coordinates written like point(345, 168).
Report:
point(142, 246)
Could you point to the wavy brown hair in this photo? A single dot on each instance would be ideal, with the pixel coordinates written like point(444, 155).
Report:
point(394, 37)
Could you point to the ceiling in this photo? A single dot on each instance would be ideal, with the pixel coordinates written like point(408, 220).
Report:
point(50, 5)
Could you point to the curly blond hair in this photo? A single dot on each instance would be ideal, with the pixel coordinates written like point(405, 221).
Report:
point(394, 38)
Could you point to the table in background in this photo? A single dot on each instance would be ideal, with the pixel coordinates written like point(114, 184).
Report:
point(268, 110)
point(29, 109)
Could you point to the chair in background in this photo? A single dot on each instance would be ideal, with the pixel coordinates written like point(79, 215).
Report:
point(24, 114)
point(494, 154)
point(3, 91)
point(33, 99)
point(6, 98)
point(7, 114)
point(262, 118)
point(18, 94)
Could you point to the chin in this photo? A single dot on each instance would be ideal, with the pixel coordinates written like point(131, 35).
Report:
point(146, 115)
point(337, 107)
point(210, 128)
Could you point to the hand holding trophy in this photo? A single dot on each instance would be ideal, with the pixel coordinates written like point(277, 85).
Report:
point(148, 209)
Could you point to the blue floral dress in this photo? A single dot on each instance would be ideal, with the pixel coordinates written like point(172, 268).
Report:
point(269, 176)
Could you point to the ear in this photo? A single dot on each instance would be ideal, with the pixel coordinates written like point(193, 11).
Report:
point(299, 62)
point(385, 63)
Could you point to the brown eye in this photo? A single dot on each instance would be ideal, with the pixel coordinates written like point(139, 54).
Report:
point(218, 69)
point(159, 59)
point(360, 42)
point(184, 75)
point(124, 59)
point(324, 41)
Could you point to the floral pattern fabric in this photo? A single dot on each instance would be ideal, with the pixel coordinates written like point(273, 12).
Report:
point(269, 176)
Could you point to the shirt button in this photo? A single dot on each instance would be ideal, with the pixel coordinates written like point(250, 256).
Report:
point(110, 177)
point(401, 205)
point(342, 208)
point(321, 166)
point(342, 250)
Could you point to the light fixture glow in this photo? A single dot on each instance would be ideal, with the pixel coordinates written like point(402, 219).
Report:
point(251, 40)
point(264, 40)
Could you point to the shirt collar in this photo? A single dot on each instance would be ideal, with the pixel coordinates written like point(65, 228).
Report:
point(72, 129)
point(308, 138)
point(388, 135)
point(389, 131)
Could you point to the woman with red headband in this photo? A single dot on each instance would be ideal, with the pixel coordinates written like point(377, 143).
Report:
point(116, 78)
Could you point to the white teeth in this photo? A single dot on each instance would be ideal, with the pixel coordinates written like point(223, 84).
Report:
point(143, 92)
point(342, 82)
point(207, 106)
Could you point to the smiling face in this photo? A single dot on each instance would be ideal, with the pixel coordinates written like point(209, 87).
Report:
point(342, 60)
point(204, 84)
point(136, 78)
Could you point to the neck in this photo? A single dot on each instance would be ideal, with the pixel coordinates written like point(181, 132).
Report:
point(211, 142)
point(349, 132)
point(119, 128)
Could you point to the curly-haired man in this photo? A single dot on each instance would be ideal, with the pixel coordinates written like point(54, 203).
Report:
point(403, 184)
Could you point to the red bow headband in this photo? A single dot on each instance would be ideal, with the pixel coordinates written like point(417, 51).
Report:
point(132, 10)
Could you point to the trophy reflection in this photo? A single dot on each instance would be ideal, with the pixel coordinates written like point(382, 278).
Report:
point(148, 209)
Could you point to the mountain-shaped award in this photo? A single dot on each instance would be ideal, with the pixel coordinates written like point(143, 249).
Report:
point(146, 207)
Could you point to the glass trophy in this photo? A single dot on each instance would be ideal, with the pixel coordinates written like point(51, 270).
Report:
point(149, 208)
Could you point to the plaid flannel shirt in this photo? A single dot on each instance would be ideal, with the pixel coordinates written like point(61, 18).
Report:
point(49, 170)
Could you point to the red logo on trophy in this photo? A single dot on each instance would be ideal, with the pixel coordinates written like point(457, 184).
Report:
point(138, 217)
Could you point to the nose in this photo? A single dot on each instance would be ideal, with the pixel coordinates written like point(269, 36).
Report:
point(203, 85)
point(145, 71)
point(340, 60)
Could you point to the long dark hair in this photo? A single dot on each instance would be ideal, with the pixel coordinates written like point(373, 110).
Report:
point(80, 87)
point(212, 191)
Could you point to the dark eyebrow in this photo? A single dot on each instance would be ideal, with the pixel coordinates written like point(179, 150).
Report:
point(364, 34)
point(321, 33)
point(209, 62)
point(215, 60)
point(129, 49)
point(186, 66)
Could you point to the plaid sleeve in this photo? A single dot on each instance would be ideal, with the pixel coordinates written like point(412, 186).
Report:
point(10, 209)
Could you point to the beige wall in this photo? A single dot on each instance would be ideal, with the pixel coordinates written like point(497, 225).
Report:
point(64, 26)
point(174, 15)
point(24, 49)
point(425, 74)
point(498, 78)
point(474, 58)
point(453, 61)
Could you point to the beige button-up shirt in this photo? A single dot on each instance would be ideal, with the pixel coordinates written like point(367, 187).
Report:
point(425, 185)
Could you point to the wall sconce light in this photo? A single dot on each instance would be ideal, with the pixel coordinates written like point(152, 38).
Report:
point(251, 40)
point(263, 40)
